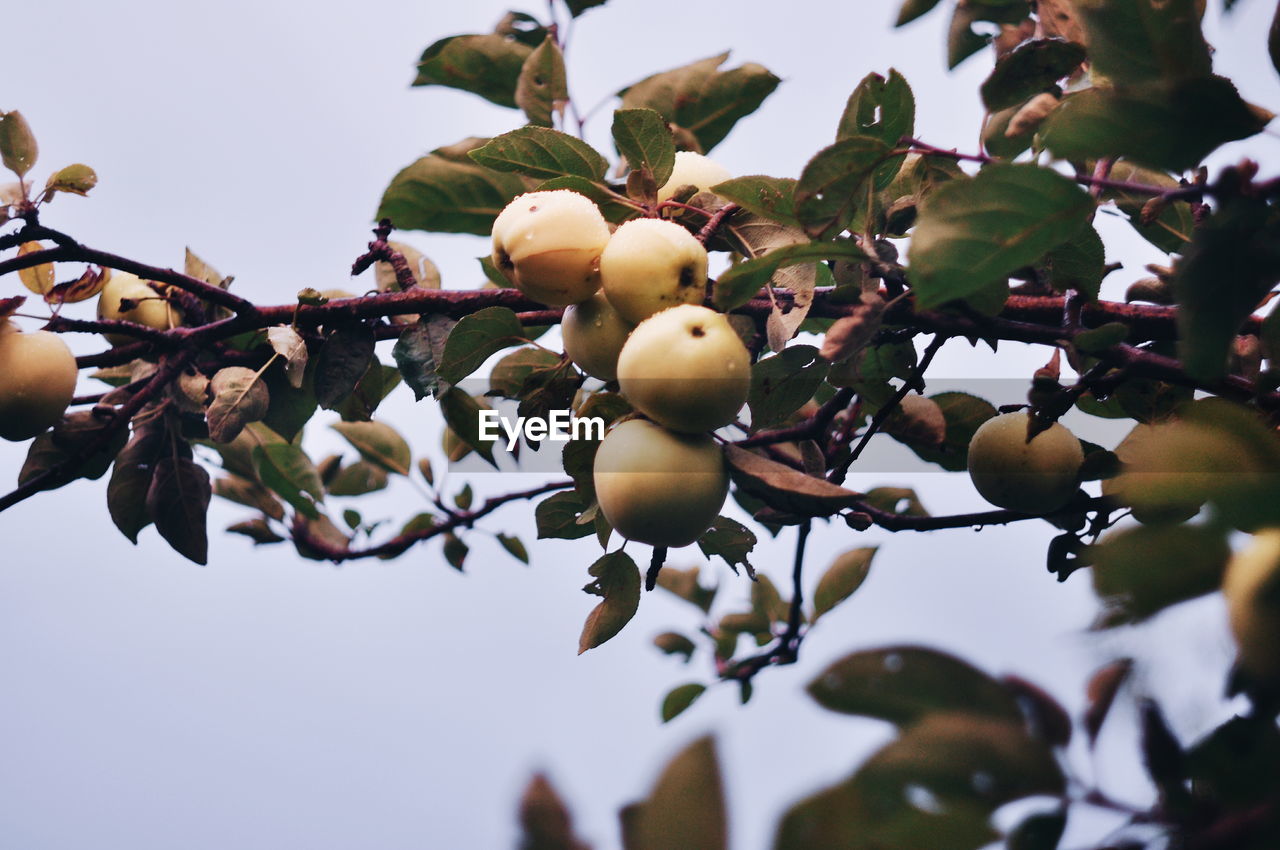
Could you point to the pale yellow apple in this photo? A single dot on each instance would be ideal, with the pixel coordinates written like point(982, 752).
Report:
point(151, 309)
point(657, 486)
point(548, 245)
point(593, 335)
point(692, 169)
point(686, 368)
point(1251, 586)
point(37, 380)
point(1033, 478)
point(650, 265)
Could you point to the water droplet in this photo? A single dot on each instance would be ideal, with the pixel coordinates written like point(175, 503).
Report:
point(983, 782)
point(893, 662)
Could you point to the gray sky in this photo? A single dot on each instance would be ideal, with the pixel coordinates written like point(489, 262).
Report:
point(266, 701)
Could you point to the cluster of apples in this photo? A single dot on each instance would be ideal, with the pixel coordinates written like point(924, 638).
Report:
point(38, 371)
point(634, 314)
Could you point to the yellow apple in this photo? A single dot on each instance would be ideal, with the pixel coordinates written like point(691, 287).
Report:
point(1034, 478)
point(152, 308)
point(37, 380)
point(686, 368)
point(692, 169)
point(657, 486)
point(1251, 586)
point(593, 335)
point(548, 245)
point(650, 265)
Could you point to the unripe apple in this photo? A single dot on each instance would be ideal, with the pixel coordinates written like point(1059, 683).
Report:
point(657, 486)
point(692, 169)
point(37, 380)
point(686, 368)
point(1251, 586)
point(1033, 478)
point(548, 245)
point(151, 309)
point(593, 335)
point(650, 265)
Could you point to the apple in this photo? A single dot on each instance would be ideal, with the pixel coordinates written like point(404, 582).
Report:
point(1251, 586)
point(651, 264)
point(548, 245)
point(692, 169)
point(657, 486)
point(686, 368)
point(37, 380)
point(152, 308)
point(593, 335)
point(1033, 478)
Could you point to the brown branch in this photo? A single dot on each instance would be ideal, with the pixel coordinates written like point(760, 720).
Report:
point(786, 650)
point(838, 473)
point(71, 251)
point(890, 521)
point(381, 250)
point(400, 543)
point(806, 430)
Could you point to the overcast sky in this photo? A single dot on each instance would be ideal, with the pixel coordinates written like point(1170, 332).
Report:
point(265, 701)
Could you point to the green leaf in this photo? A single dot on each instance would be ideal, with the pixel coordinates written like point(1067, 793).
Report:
point(1140, 571)
point(377, 443)
point(342, 362)
point(962, 41)
point(971, 233)
point(1229, 267)
point(740, 283)
point(686, 807)
point(1078, 264)
point(178, 502)
point(544, 820)
point(879, 109)
point(1040, 831)
point(617, 580)
point(462, 414)
point(963, 758)
point(358, 479)
point(543, 88)
point(455, 551)
point(834, 184)
point(290, 345)
point(679, 699)
point(1172, 125)
point(131, 479)
point(557, 517)
point(1172, 228)
point(730, 540)
point(376, 385)
point(1215, 451)
point(903, 684)
point(418, 352)
point(902, 501)
point(238, 399)
point(701, 99)
point(76, 179)
point(445, 192)
point(69, 439)
point(783, 383)
point(684, 584)
point(577, 7)
point(541, 153)
point(514, 547)
point(286, 469)
point(772, 198)
point(1031, 68)
point(475, 338)
point(783, 488)
point(1101, 338)
point(18, 150)
point(257, 530)
point(964, 413)
point(291, 408)
point(845, 575)
point(912, 9)
point(488, 65)
point(509, 374)
point(674, 643)
point(644, 140)
point(1135, 41)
